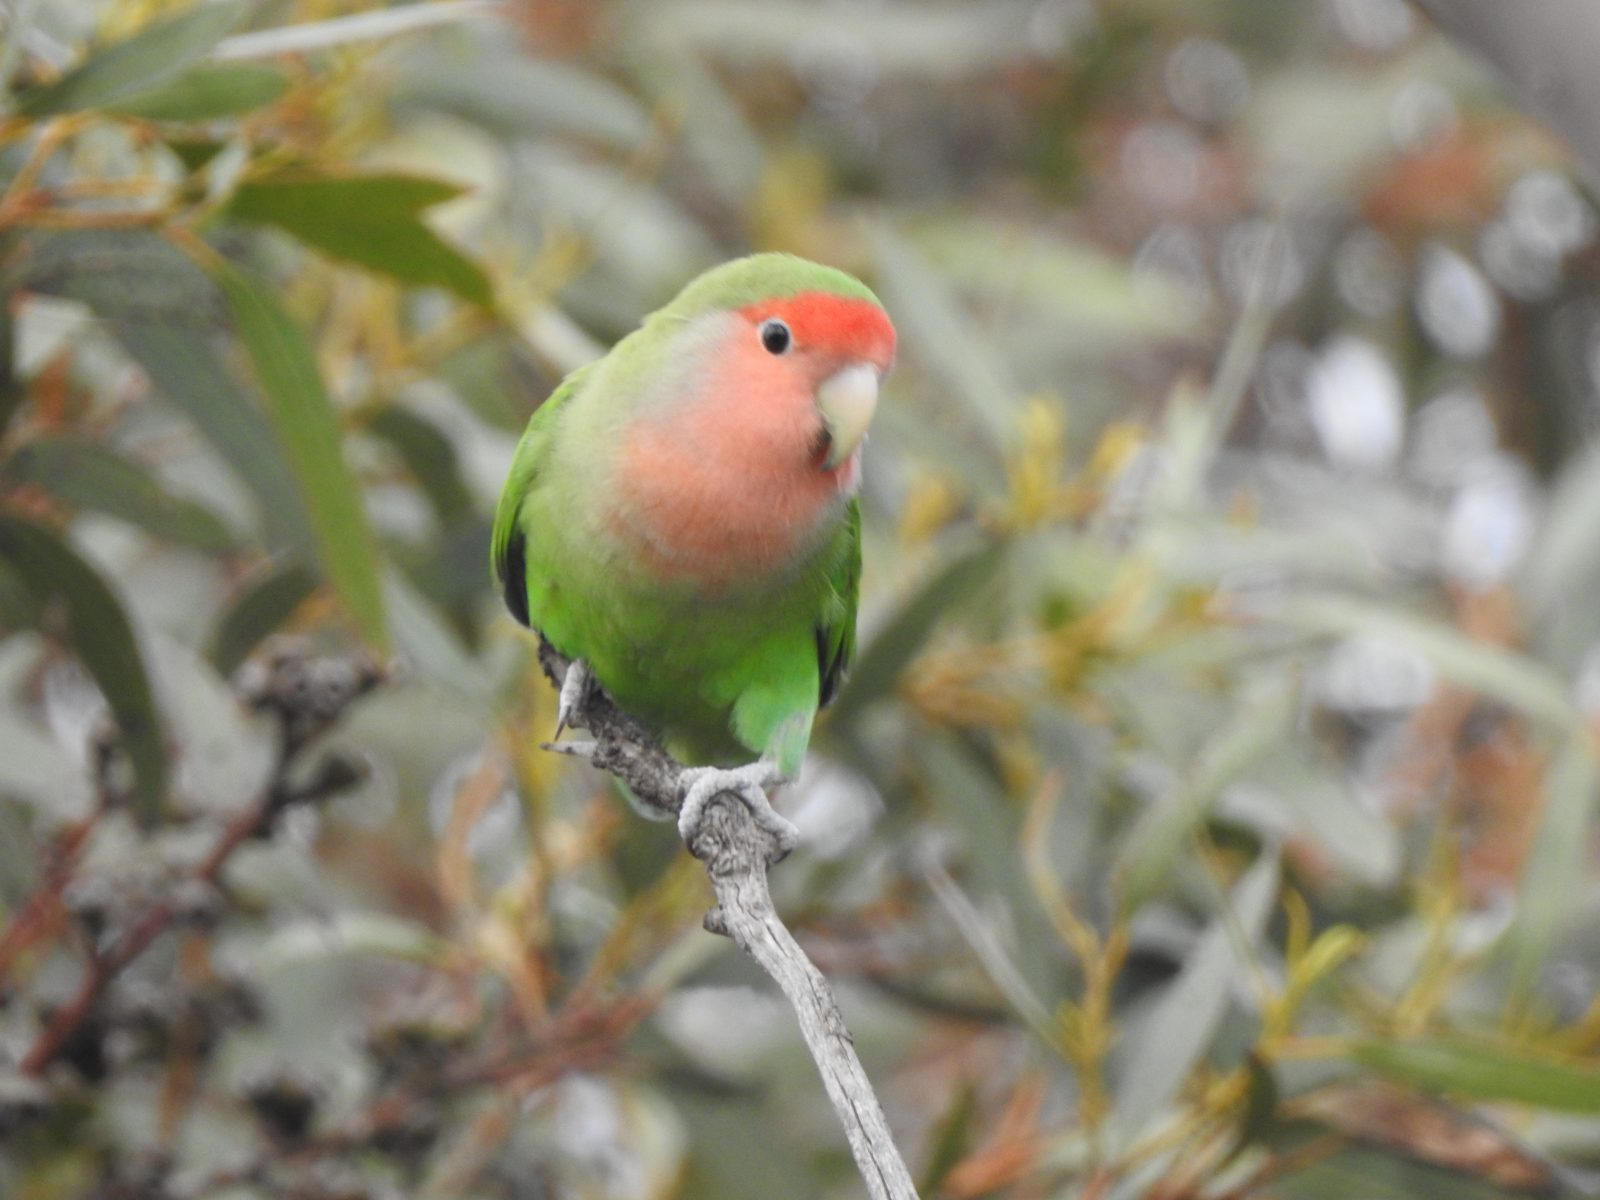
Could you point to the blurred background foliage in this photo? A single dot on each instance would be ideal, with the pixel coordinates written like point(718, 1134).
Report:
point(1210, 811)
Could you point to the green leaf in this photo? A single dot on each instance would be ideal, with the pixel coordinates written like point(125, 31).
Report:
point(12, 389)
point(431, 457)
point(1375, 1173)
point(373, 221)
point(195, 153)
point(1556, 867)
point(425, 640)
point(266, 603)
point(975, 375)
point(186, 368)
point(85, 475)
point(1491, 670)
point(206, 93)
point(1260, 723)
point(167, 314)
point(352, 29)
point(148, 60)
point(346, 934)
point(949, 1140)
point(878, 668)
point(1173, 1035)
point(123, 274)
point(68, 590)
point(308, 428)
point(516, 96)
point(1483, 1071)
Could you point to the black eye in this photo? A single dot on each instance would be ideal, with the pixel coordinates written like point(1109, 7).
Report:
point(774, 336)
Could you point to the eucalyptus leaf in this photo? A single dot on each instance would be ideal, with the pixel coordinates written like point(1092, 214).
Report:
point(88, 476)
point(264, 604)
point(352, 29)
point(76, 605)
point(1173, 1035)
point(1484, 1071)
point(168, 315)
point(1374, 1173)
point(520, 97)
point(431, 457)
point(880, 663)
point(308, 427)
point(206, 93)
point(372, 220)
point(1258, 725)
point(151, 58)
point(1494, 671)
point(1555, 869)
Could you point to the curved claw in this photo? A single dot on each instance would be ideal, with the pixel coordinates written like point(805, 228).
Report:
point(749, 783)
point(571, 749)
point(575, 686)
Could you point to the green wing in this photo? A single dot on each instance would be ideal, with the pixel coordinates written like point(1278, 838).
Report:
point(836, 631)
point(508, 544)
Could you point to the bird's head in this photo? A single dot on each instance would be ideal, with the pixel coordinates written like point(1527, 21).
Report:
point(837, 348)
point(800, 351)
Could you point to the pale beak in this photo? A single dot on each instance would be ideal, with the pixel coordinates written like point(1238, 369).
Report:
point(847, 400)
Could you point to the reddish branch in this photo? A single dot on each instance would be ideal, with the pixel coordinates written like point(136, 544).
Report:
point(305, 695)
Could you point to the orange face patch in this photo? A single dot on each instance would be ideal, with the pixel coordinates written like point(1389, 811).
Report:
point(838, 326)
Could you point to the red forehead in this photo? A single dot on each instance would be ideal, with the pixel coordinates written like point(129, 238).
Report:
point(842, 325)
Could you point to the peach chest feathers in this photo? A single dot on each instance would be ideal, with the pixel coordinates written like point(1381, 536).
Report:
point(734, 505)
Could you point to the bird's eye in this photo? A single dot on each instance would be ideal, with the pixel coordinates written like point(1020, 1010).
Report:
point(774, 336)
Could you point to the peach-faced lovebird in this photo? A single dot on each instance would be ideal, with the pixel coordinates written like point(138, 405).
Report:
point(681, 523)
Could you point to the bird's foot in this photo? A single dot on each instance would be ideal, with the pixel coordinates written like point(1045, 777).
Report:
point(749, 783)
point(583, 750)
point(575, 685)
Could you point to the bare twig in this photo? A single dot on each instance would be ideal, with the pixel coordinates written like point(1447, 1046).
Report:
point(736, 852)
point(306, 695)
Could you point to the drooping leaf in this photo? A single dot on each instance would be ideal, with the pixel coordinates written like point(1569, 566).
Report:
point(205, 93)
point(518, 97)
point(1483, 1071)
point(195, 152)
point(1491, 670)
point(887, 654)
point(423, 639)
point(87, 475)
point(350, 30)
point(186, 368)
point(1555, 868)
point(264, 605)
point(975, 375)
point(167, 314)
point(347, 933)
point(950, 1140)
point(1261, 721)
point(12, 390)
point(429, 454)
point(1177, 1030)
point(66, 589)
point(1375, 1173)
point(142, 63)
point(980, 811)
point(308, 428)
point(372, 220)
point(122, 274)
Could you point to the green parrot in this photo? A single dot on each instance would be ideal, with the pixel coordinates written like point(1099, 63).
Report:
point(681, 520)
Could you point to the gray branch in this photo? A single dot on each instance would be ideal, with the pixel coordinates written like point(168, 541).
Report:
point(736, 851)
point(1546, 50)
